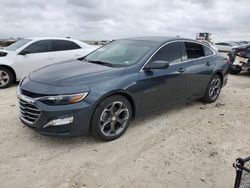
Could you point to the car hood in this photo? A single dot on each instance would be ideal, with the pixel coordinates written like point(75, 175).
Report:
point(74, 73)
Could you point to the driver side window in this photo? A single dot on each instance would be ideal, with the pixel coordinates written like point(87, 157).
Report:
point(170, 53)
point(39, 47)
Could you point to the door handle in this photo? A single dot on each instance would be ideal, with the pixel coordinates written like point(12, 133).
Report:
point(181, 70)
point(208, 64)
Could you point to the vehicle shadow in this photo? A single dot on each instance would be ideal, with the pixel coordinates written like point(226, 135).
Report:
point(138, 121)
point(244, 73)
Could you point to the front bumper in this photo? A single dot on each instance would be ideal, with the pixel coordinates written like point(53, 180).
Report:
point(81, 113)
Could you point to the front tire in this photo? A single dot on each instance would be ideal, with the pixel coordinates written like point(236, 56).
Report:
point(213, 89)
point(111, 118)
point(6, 78)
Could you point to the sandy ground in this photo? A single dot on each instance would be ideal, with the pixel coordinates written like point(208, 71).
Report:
point(191, 145)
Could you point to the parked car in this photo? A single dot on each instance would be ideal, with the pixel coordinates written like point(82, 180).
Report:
point(240, 58)
point(210, 44)
point(102, 92)
point(225, 46)
point(237, 43)
point(27, 55)
point(243, 42)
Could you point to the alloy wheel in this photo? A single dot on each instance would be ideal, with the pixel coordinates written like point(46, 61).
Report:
point(4, 78)
point(215, 88)
point(114, 118)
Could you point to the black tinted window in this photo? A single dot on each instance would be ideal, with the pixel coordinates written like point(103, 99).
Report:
point(39, 47)
point(60, 45)
point(248, 49)
point(170, 53)
point(194, 50)
point(222, 43)
point(208, 51)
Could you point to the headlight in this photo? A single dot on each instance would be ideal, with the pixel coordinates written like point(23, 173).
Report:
point(64, 99)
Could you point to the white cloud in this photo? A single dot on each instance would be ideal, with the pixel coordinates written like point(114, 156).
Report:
point(109, 19)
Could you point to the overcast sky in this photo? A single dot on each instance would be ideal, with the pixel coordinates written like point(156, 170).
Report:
point(111, 19)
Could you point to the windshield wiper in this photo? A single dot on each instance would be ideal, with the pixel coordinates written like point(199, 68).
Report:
point(101, 63)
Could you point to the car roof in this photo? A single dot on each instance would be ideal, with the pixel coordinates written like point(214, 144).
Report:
point(244, 46)
point(157, 39)
point(82, 44)
point(49, 38)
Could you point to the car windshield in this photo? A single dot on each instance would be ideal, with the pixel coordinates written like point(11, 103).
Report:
point(17, 45)
point(120, 52)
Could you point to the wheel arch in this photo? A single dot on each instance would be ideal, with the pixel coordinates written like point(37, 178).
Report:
point(112, 93)
point(220, 75)
point(10, 69)
point(122, 93)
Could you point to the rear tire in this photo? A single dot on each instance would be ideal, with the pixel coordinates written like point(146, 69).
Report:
point(213, 89)
point(6, 78)
point(235, 69)
point(111, 118)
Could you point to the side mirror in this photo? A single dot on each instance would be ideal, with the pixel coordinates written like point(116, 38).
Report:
point(24, 52)
point(157, 65)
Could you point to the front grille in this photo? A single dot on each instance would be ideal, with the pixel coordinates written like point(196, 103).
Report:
point(31, 94)
point(28, 112)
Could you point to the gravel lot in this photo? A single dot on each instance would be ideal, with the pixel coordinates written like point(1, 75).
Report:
point(191, 145)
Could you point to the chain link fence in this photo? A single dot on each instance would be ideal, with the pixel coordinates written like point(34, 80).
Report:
point(242, 167)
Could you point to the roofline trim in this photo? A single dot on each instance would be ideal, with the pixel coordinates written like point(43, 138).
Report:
point(181, 40)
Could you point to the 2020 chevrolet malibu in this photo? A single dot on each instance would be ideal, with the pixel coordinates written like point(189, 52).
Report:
point(27, 55)
point(101, 92)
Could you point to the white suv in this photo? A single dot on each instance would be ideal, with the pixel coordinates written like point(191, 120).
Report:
point(27, 55)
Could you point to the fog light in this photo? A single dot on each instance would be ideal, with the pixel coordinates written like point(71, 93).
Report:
point(59, 122)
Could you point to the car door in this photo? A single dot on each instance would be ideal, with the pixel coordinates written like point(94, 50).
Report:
point(66, 50)
point(33, 57)
point(162, 87)
point(199, 66)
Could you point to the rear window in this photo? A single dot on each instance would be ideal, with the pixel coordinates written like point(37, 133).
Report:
point(223, 44)
point(208, 51)
point(61, 45)
point(194, 50)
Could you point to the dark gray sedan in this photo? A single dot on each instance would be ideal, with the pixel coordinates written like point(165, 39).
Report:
point(102, 92)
